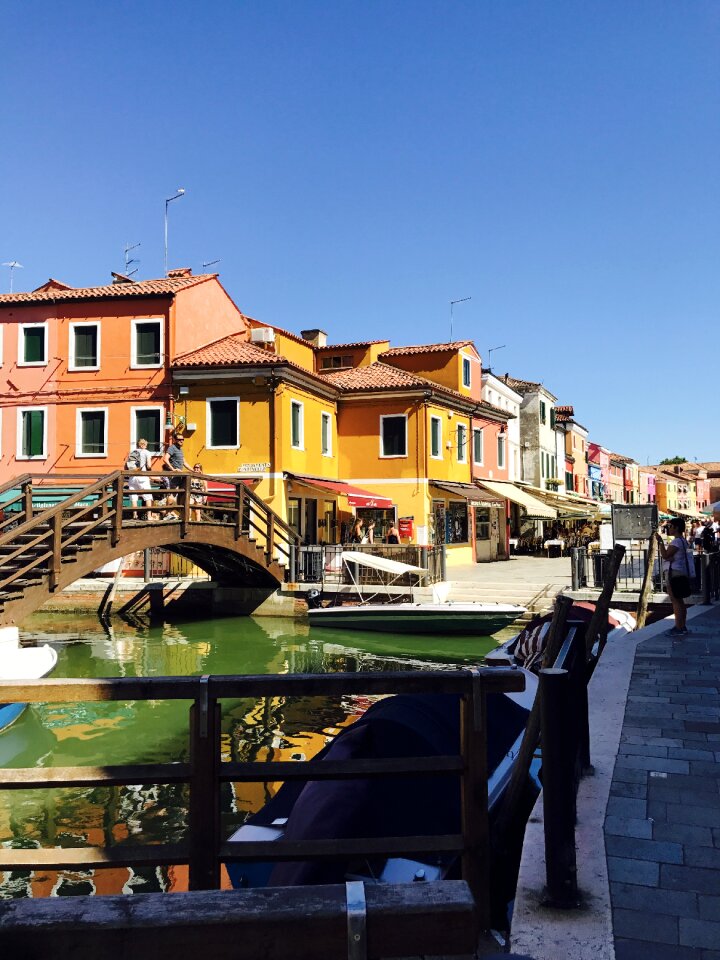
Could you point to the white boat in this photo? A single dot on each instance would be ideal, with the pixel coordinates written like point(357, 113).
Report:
point(19, 663)
point(481, 619)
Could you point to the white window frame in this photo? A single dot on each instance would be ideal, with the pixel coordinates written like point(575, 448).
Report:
point(326, 417)
point(300, 445)
point(393, 456)
point(18, 452)
point(134, 365)
point(72, 367)
point(458, 428)
point(466, 365)
point(208, 420)
point(21, 344)
point(439, 456)
point(479, 430)
point(502, 445)
point(133, 426)
point(78, 431)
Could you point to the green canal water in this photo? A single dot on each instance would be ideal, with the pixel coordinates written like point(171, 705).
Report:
point(157, 731)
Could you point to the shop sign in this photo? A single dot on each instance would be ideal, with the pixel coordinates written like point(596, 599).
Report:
point(405, 527)
point(253, 467)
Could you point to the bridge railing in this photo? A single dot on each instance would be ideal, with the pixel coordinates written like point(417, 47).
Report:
point(36, 542)
point(204, 849)
point(15, 502)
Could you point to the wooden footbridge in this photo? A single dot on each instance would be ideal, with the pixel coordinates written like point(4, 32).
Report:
point(51, 534)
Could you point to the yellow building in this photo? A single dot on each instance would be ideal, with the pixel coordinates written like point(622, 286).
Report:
point(666, 493)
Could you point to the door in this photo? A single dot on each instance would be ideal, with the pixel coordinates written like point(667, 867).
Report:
point(310, 525)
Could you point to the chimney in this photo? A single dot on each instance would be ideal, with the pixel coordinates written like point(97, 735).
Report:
point(180, 273)
point(318, 338)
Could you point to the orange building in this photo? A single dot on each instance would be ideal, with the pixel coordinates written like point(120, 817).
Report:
point(86, 370)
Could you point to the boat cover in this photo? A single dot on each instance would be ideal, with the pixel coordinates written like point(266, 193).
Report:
point(380, 563)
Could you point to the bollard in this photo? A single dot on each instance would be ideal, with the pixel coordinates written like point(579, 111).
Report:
point(559, 752)
point(577, 567)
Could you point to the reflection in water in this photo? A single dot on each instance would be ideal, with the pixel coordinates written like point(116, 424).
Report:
point(274, 728)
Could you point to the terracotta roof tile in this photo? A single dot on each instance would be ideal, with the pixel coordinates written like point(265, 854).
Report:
point(54, 292)
point(350, 346)
point(234, 350)
point(426, 348)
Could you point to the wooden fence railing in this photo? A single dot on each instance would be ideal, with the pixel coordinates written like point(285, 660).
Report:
point(205, 849)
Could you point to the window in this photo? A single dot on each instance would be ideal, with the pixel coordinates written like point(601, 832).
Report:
point(543, 468)
point(456, 523)
point(462, 443)
point(552, 416)
point(501, 451)
point(436, 438)
point(223, 423)
point(84, 349)
point(147, 345)
point(91, 433)
point(569, 480)
point(296, 425)
point(466, 371)
point(543, 412)
point(478, 451)
point(336, 363)
point(32, 433)
point(326, 434)
point(32, 349)
point(146, 425)
point(393, 436)
point(482, 523)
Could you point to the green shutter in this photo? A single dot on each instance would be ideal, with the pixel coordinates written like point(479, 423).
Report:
point(34, 345)
point(86, 347)
point(325, 421)
point(435, 437)
point(223, 423)
point(147, 427)
point(33, 423)
point(92, 431)
point(147, 343)
point(295, 433)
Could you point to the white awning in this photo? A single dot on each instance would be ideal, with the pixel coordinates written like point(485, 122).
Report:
point(380, 563)
point(536, 509)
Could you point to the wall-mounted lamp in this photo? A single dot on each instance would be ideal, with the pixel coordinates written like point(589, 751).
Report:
point(168, 421)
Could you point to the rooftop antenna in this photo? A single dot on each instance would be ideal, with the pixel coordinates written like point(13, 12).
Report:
point(452, 304)
point(12, 264)
point(130, 260)
point(179, 193)
point(492, 350)
point(210, 263)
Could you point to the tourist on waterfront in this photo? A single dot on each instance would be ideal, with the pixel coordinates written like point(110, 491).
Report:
point(174, 460)
point(139, 461)
point(198, 492)
point(677, 572)
point(370, 534)
point(393, 535)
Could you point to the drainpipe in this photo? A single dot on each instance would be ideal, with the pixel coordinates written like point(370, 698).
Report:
point(272, 444)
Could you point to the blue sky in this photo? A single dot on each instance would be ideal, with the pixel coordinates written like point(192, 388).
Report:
point(357, 165)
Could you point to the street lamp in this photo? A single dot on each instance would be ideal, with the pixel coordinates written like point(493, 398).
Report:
point(180, 193)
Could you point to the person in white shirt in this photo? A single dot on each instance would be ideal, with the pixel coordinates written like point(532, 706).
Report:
point(139, 462)
point(677, 568)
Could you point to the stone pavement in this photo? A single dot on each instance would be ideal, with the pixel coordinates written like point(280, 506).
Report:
point(662, 829)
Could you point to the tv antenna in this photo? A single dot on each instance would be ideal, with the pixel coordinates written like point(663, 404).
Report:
point(452, 304)
point(210, 263)
point(491, 351)
point(13, 264)
point(129, 261)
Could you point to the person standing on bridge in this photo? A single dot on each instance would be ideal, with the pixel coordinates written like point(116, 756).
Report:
point(174, 459)
point(139, 462)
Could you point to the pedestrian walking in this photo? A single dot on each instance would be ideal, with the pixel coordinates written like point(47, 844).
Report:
point(677, 570)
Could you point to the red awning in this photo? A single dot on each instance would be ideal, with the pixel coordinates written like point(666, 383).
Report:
point(356, 497)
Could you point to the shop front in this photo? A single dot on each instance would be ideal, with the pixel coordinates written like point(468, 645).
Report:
point(323, 511)
point(469, 521)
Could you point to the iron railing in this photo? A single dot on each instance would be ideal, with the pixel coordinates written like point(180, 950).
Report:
point(323, 564)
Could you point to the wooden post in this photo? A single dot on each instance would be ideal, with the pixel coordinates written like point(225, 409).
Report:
point(559, 807)
point(204, 792)
point(117, 520)
point(475, 823)
point(240, 494)
point(28, 500)
point(56, 560)
point(647, 583)
point(531, 738)
point(598, 626)
point(185, 510)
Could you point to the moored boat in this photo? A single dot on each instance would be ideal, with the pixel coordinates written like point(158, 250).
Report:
point(18, 663)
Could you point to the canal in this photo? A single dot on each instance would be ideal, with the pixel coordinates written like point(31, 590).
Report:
point(79, 734)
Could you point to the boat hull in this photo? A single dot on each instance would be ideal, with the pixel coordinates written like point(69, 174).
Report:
point(455, 619)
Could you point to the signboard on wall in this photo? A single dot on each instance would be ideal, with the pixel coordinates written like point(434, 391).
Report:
point(406, 527)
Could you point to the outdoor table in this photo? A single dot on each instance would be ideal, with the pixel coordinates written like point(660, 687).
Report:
point(550, 544)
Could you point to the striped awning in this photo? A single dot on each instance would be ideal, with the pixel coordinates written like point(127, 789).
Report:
point(534, 508)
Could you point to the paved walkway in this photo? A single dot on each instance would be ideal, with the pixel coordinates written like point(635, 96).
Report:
point(662, 830)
